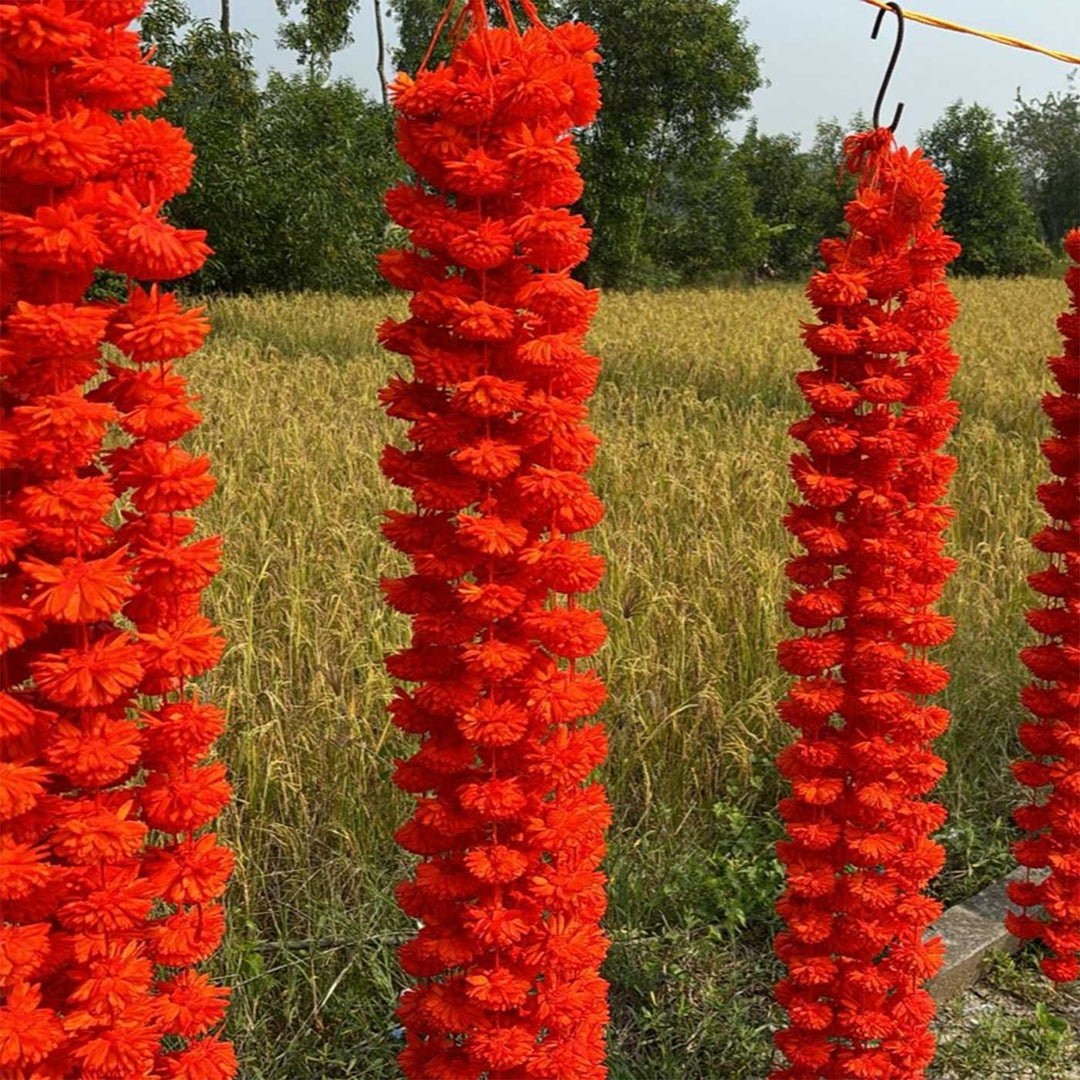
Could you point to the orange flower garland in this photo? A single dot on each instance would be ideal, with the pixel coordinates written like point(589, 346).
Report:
point(1052, 737)
point(102, 922)
point(509, 829)
point(857, 853)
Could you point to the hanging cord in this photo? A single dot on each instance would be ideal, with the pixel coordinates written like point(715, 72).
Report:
point(1001, 39)
point(478, 11)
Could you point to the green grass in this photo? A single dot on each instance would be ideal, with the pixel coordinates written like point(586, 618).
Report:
point(1015, 1026)
point(693, 410)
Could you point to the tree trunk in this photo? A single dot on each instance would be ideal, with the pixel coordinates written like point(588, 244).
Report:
point(380, 62)
point(225, 28)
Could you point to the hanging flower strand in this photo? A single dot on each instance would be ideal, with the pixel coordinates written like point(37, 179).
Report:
point(102, 737)
point(508, 826)
point(1052, 736)
point(857, 853)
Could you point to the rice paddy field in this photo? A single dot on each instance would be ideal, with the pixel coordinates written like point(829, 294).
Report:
point(693, 408)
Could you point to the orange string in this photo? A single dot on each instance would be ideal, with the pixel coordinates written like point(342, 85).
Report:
point(479, 14)
point(439, 26)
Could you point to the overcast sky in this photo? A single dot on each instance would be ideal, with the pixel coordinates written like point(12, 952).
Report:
point(817, 56)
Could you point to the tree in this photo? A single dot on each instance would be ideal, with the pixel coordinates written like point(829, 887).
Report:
point(416, 20)
point(985, 207)
point(324, 155)
point(289, 179)
point(702, 227)
point(215, 98)
point(380, 49)
point(1045, 136)
point(322, 29)
point(674, 74)
point(791, 199)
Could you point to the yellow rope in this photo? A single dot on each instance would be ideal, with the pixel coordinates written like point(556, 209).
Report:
point(944, 24)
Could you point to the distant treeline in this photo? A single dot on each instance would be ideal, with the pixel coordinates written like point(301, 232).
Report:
point(291, 172)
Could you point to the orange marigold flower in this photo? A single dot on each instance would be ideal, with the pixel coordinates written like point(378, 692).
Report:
point(126, 1048)
point(57, 238)
point(189, 648)
point(116, 83)
point(152, 159)
point(153, 328)
point(191, 1004)
point(98, 674)
point(192, 872)
point(76, 591)
point(28, 1032)
point(24, 869)
point(186, 801)
point(54, 150)
point(40, 329)
point(90, 834)
point(187, 937)
point(143, 246)
point(41, 33)
point(20, 788)
point(205, 1059)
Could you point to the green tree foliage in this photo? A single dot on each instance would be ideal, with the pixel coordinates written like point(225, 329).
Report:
point(1045, 136)
point(985, 207)
point(323, 157)
point(699, 226)
point(674, 74)
point(289, 178)
point(799, 195)
point(321, 29)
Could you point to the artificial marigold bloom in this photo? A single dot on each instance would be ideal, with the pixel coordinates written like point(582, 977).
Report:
point(99, 674)
point(506, 888)
point(152, 159)
point(192, 872)
point(857, 852)
point(153, 328)
point(142, 245)
point(204, 1059)
point(1052, 817)
point(187, 937)
point(79, 591)
point(28, 1032)
point(54, 150)
point(54, 238)
point(191, 1004)
point(93, 901)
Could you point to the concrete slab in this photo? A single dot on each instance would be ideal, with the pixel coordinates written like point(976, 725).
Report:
point(972, 930)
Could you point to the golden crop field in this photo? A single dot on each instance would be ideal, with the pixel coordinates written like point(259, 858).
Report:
point(693, 409)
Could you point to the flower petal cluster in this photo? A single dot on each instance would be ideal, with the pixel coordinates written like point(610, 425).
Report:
point(109, 880)
point(857, 851)
point(508, 826)
point(1052, 736)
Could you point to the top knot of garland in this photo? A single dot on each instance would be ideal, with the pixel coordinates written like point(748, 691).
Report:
point(508, 826)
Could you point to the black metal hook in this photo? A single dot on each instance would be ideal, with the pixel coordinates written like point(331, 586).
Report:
point(899, 12)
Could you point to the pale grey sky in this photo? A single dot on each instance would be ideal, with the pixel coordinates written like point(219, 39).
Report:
point(818, 56)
